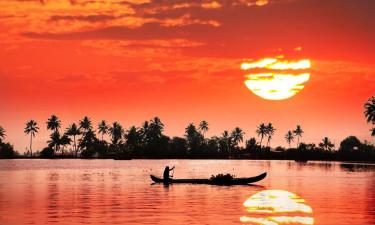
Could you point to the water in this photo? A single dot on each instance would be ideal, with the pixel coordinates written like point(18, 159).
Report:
point(120, 192)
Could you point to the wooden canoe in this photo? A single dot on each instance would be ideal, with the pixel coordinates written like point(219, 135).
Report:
point(234, 181)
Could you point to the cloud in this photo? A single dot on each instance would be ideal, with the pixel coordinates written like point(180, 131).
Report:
point(87, 18)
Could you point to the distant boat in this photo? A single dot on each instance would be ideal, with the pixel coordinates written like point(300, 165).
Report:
point(234, 181)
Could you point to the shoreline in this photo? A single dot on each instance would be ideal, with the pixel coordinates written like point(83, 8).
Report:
point(297, 161)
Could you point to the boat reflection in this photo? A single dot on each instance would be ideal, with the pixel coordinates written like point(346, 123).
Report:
point(273, 207)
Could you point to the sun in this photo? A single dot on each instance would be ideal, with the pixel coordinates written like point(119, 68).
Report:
point(276, 78)
point(274, 207)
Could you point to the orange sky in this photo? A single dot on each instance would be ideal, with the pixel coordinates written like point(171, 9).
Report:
point(180, 60)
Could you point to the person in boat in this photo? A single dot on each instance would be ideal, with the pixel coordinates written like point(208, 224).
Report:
point(166, 176)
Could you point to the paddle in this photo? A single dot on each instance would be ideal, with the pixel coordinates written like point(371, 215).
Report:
point(172, 171)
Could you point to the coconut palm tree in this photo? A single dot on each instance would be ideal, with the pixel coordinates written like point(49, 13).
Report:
point(73, 130)
point(237, 136)
point(64, 141)
point(289, 137)
point(370, 110)
point(203, 127)
point(298, 133)
point(190, 131)
point(270, 132)
point(156, 128)
point(326, 144)
point(53, 123)
point(116, 132)
point(85, 124)
point(103, 128)
point(31, 128)
point(226, 138)
point(2, 134)
point(262, 132)
point(132, 137)
point(55, 141)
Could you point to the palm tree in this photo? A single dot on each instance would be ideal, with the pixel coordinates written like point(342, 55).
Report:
point(132, 137)
point(85, 124)
point(373, 132)
point(190, 131)
point(64, 141)
point(298, 133)
point(53, 123)
point(370, 110)
point(73, 130)
point(31, 128)
point(156, 128)
point(326, 144)
point(116, 132)
point(55, 141)
point(261, 131)
point(237, 135)
point(226, 138)
point(102, 128)
point(2, 134)
point(289, 137)
point(203, 126)
point(270, 132)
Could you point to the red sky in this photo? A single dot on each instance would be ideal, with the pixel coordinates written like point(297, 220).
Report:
point(128, 61)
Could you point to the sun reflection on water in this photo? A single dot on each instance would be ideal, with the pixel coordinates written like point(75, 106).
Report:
point(273, 207)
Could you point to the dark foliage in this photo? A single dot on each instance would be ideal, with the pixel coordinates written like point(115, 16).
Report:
point(6, 151)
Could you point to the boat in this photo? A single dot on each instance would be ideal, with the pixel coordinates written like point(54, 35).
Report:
point(234, 181)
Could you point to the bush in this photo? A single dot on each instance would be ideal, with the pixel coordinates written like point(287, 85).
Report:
point(47, 153)
point(6, 151)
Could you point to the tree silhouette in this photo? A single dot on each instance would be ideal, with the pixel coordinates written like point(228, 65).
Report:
point(261, 131)
point(370, 110)
point(237, 136)
point(2, 134)
point(55, 141)
point(190, 131)
point(203, 127)
point(53, 123)
point(102, 128)
point(289, 137)
point(370, 113)
point(116, 132)
point(64, 141)
point(73, 130)
point(156, 128)
point(132, 138)
point(85, 124)
point(194, 139)
point(251, 144)
point(227, 141)
point(270, 132)
point(88, 140)
point(326, 144)
point(298, 133)
point(31, 128)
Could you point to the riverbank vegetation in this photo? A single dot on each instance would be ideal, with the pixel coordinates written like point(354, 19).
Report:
point(85, 140)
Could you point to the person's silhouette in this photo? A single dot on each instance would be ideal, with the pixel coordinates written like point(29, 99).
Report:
point(166, 176)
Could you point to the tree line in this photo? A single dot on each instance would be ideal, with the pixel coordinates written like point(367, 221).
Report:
point(149, 141)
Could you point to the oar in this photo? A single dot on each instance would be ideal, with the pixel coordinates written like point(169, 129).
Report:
point(172, 172)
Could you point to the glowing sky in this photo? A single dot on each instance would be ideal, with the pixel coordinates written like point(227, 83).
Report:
point(131, 60)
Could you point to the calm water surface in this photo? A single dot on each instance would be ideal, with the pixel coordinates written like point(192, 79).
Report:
point(120, 192)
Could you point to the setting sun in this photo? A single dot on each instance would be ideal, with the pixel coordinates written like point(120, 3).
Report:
point(273, 207)
point(268, 78)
